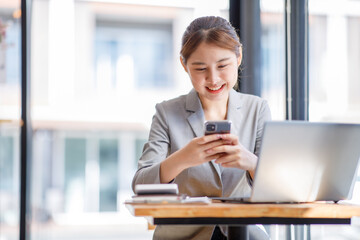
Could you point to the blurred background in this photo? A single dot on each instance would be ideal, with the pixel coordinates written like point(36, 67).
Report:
point(97, 70)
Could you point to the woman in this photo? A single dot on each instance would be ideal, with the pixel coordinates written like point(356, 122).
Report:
point(177, 150)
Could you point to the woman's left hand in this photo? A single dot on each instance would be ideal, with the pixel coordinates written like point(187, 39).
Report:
point(234, 154)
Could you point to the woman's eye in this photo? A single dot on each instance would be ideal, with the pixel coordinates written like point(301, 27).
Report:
point(200, 69)
point(222, 66)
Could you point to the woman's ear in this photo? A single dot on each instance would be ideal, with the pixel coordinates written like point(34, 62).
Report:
point(183, 64)
point(239, 59)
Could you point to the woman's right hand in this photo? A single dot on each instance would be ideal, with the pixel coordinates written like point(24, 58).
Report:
point(193, 154)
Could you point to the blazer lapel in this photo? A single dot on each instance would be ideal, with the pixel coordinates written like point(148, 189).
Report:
point(196, 117)
point(234, 113)
point(196, 120)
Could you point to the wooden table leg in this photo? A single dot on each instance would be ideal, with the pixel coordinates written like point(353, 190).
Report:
point(238, 232)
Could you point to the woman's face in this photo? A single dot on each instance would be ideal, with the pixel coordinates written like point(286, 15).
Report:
point(213, 71)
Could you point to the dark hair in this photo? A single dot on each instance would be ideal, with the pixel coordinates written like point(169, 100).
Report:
point(210, 29)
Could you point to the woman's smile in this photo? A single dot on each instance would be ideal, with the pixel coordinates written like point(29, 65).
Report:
point(216, 89)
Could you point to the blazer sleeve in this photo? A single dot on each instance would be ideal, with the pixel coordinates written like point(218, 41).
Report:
point(263, 116)
point(154, 151)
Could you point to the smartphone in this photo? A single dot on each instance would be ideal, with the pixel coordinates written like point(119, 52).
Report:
point(212, 127)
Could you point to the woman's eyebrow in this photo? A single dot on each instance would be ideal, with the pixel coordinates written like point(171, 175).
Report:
point(223, 59)
point(201, 63)
point(197, 63)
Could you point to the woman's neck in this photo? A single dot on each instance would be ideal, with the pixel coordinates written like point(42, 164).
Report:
point(215, 110)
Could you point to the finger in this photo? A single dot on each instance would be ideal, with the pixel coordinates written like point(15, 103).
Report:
point(232, 164)
point(232, 161)
point(231, 138)
point(224, 148)
point(209, 138)
point(226, 158)
point(210, 147)
point(212, 157)
point(214, 137)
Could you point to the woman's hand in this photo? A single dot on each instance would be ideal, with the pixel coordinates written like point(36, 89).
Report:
point(234, 155)
point(196, 152)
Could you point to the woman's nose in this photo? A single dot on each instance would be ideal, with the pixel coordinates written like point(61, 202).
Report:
point(212, 76)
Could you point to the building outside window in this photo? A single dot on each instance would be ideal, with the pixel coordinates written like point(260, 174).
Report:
point(93, 103)
point(138, 53)
point(273, 56)
point(10, 46)
point(333, 55)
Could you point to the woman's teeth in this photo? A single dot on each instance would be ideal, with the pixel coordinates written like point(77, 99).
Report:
point(214, 89)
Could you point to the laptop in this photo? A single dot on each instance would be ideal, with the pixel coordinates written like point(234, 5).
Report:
point(306, 161)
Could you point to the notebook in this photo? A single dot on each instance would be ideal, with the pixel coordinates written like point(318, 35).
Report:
point(306, 161)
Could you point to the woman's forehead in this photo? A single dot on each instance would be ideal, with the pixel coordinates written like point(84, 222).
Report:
point(210, 52)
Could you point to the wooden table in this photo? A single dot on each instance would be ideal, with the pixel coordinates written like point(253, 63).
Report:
point(238, 216)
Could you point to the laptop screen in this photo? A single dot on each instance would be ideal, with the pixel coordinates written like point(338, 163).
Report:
point(306, 161)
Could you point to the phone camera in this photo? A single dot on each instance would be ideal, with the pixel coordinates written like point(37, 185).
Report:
point(210, 127)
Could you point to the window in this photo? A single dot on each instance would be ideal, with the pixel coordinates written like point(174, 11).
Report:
point(108, 161)
point(84, 169)
point(10, 51)
point(353, 50)
point(333, 59)
point(92, 103)
point(334, 86)
point(138, 54)
point(334, 55)
point(10, 48)
point(9, 178)
point(7, 163)
point(75, 161)
point(273, 56)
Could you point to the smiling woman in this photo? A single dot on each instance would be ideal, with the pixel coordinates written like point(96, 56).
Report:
point(213, 74)
point(211, 54)
point(217, 165)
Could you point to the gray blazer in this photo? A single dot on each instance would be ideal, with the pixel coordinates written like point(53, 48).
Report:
point(179, 120)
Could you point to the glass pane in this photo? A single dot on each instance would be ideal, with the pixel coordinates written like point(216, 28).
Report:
point(10, 49)
point(272, 16)
point(96, 77)
point(108, 174)
point(273, 56)
point(75, 158)
point(123, 51)
point(334, 57)
point(334, 86)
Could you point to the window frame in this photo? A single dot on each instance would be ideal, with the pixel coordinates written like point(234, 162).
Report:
point(25, 125)
point(245, 15)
